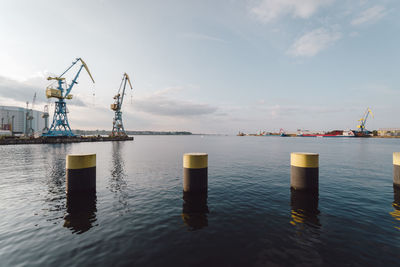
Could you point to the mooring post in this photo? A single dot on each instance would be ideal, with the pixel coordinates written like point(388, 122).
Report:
point(81, 173)
point(396, 169)
point(304, 171)
point(195, 172)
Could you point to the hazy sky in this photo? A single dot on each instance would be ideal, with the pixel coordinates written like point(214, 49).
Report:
point(209, 66)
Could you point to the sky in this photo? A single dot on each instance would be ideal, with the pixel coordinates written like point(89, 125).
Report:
point(208, 66)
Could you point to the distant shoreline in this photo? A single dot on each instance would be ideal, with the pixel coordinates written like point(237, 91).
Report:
point(104, 132)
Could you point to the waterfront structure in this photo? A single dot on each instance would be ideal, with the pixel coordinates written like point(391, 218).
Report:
point(389, 132)
point(13, 119)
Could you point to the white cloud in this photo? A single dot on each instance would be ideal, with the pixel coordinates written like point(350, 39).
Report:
point(24, 91)
point(370, 15)
point(269, 10)
point(165, 106)
point(314, 42)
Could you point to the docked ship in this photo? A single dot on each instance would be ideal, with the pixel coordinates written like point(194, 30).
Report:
point(335, 133)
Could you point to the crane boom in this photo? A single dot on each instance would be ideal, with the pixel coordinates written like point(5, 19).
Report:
point(125, 79)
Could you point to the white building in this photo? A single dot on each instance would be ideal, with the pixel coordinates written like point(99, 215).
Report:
point(389, 132)
point(14, 119)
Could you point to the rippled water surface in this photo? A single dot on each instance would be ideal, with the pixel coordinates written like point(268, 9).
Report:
point(250, 218)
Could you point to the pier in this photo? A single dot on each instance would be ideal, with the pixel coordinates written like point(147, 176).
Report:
point(61, 140)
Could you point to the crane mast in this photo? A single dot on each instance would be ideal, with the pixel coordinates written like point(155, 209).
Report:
point(60, 125)
point(118, 126)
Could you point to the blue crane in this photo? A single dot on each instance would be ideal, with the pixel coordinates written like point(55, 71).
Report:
point(363, 120)
point(60, 125)
point(118, 126)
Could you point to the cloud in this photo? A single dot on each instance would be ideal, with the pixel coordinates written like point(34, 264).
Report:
point(269, 10)
point(19, 91)
point(24, 91)
point(370, 15)
point(314, 42)
point(162, 105)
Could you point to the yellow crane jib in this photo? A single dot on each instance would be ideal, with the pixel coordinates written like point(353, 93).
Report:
point(86, 68)
point(129, 80)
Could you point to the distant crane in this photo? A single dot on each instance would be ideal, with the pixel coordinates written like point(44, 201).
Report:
point(29, 117)
point(118, 127)
point(60, 125)
point(45, 116)
point(363, 120)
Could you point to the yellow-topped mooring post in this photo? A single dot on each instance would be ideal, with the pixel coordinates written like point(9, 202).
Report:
point(396, 169)
point(304, 171)
point(81, 173)
point(195, 172)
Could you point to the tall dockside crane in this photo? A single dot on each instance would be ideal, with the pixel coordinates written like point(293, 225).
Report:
point(29, 117)
point(363, 120)
point(118, 127)
point(60, 125)
point(45, 116)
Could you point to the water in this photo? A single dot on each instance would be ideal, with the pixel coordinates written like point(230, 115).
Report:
point(138, 215)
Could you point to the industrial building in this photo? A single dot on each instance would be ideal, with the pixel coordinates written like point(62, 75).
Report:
point(14, 119)
point(389, 132)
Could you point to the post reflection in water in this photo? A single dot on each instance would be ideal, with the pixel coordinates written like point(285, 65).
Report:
point(55, 182)
point(396, 205)
point(304, 208)
point(81, 212)
point(195, 209)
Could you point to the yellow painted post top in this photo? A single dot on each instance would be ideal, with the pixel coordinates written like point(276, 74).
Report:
point(81, 161)
point(304, 160)
point(396, 158)
point(195, 160)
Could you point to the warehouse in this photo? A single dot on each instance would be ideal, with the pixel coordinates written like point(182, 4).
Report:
point(13, 119)
point(389, 132)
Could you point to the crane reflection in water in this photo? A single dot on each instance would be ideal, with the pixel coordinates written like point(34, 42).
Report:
point(117, 182)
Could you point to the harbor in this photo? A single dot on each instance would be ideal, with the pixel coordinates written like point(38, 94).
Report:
point(199, 133)
point(141, 216)
point(22, 126)
point(61, 140)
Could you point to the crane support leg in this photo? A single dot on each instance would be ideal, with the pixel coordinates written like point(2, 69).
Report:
point(118, 127)
point(60, 125)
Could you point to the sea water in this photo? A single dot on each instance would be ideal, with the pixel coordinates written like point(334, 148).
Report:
point(249, 218)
